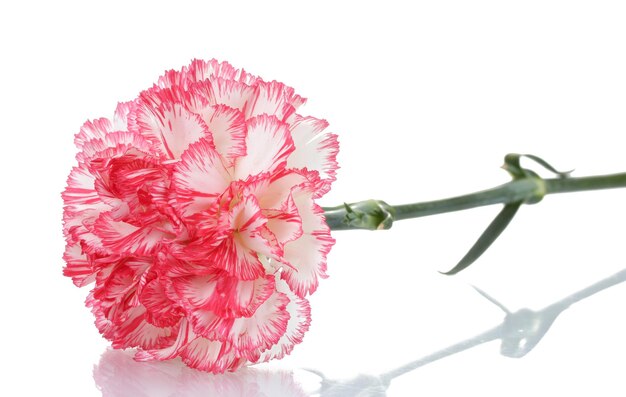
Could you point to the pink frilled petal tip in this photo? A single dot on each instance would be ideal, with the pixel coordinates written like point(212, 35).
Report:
point(192, 210)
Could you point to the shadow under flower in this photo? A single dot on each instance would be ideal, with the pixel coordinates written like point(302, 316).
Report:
point(118, 375)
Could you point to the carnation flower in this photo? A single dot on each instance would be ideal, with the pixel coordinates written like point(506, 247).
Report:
point(193, 211)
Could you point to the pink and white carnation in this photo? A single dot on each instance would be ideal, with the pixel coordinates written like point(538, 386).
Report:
point(193, 212)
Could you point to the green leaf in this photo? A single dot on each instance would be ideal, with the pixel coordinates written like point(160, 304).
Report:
point(495, 228)
point(513, 166)
point(542, 162)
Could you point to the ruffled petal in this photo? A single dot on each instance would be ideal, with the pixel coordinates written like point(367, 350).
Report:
point(271, 98)
point(104, 324)
point(184, 334)
point(122, 114)
point(299, 321)
point(307, 255)
point(96, 129)
point(223, 295)
point(285, 226)
point(89, 242)
point(209, 325)
point(80, 194)
point(210, 356)
point(172, 78)
point(268, 145)
point(263, 329)
point(276, 193)
point(94, 148)
point(196, 291)
point(314, 149)
point(116, 283)
point(219, 91)
point(83, 205)
point(135, 331)
point(199, 178)
point(123, 237)
point(78, 267)
point(171, 128)
point(160, 309)
point(159, 97)
point(238, 252)
point(200, 70)
point(228, 127)
point(134, 188)
point(237, 259)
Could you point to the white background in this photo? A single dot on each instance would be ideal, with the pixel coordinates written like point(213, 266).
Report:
point(427, 98)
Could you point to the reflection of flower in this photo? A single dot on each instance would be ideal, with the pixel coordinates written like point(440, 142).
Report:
point(193, 211)
point(117, 375)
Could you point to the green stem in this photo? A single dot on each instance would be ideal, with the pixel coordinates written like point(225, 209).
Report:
point(376, 215)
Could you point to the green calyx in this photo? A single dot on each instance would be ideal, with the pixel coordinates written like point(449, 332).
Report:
point(369, 215)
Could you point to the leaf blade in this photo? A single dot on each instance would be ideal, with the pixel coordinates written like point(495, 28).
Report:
point(491, 233)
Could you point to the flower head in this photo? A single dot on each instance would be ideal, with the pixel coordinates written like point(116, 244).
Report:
point(193, 211)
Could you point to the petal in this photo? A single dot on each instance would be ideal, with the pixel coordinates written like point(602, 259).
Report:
point(170, 127)
point(263, 329)
point(277, 193)
point(228, 127)
point(296, 101)
point(222, 91)
point(122, 112)
point(196, 291)
point(237, 259)
point(158, 97)
point(95, 148)
point(200, 70)
point(80, 194)
point(160, 309)
point(209, 325)
point(172, 78)
point(171, 351)
point(199, 178)
point(82, 206)
point(276, 199)
point(125, 238)
point(238, 253)
point(223, 295)
point(135, 331)
point(90, 243)
point(171, 264)
point(285, 226)
point(272, 99)
point(78, 266)
point(104, 325)
point(307, 255)
point(314, 150)
point(96, 129)
point(116, 284)
point(268, 145)
point(299, 321)
point(210, 356)
point(136, 184)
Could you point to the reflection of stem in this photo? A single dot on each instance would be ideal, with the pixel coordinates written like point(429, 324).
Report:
point(487, 336)
point(519, 332)
point(615, 279)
